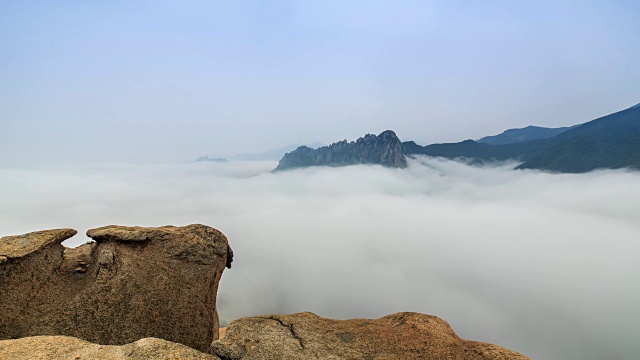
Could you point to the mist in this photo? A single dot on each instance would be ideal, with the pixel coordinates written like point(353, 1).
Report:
point(544, 264)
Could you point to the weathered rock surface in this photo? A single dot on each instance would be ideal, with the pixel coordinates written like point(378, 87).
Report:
point(308, 336)
point(384, 149)
point(66, 347)
point(132, 283)
point(15, 247)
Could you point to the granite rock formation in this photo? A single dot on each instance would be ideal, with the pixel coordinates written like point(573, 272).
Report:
point(66, 347)
point(308, 336)
point(131, 283)
point(384, 149)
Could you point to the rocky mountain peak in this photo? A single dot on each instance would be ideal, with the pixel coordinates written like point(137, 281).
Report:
point(384, 149)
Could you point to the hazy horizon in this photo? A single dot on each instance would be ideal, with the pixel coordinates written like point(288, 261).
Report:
point(165, 81)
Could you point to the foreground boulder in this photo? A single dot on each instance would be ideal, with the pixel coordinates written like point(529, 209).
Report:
point(131, 283)
point(66, 347)
point(308, 336)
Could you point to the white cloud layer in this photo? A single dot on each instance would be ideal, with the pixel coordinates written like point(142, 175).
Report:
point(540, 263)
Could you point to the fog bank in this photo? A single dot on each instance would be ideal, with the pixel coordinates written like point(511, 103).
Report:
point(544, 264)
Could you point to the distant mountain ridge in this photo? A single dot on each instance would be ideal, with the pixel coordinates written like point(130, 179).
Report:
point(524, 134)
point(609, 142)
point(475, 152)
point(273, 154)
point(384, 149)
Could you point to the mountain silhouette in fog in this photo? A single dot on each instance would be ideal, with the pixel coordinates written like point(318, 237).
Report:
point(528, 133)
point(273, 154)
point(609, 142)
point(384, 149)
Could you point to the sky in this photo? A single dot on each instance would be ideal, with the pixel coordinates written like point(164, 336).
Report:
point(544, 264)
point(155, 81)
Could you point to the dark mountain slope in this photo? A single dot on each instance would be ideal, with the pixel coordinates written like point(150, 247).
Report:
point(475, 151)
point(524, 134)
point(611, 142)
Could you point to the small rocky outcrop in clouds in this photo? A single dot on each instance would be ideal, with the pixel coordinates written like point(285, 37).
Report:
point(308, 336)
point(132, 283)
point(207, 158)
point(384, 149)
point(66, 347)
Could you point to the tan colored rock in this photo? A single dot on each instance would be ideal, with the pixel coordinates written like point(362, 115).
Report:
point(30, 262)
point(132, 283)
point(308, 336)
point(66, 347)
point(15, 247)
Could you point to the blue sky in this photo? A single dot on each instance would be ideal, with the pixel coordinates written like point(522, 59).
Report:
point(155, 80)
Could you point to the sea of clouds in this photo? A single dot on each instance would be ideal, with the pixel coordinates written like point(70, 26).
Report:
point(544, 264)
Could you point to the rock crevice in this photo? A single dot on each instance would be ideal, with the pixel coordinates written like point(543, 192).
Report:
point(289, 327)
